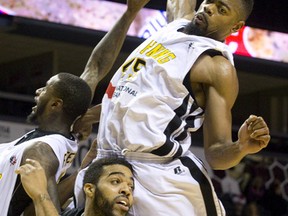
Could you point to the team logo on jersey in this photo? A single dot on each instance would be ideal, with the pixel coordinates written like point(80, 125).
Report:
point(191, 45)
point(110, 90)
point(178, 170)
point(13, 160)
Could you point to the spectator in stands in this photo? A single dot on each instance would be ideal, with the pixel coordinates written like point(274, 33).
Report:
point(273, 201)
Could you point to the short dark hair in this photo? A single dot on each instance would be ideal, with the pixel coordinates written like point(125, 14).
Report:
point(247, 8)
point(75, 93)
point(95, 170)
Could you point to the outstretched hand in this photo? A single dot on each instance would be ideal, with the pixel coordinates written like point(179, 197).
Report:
point(33, 178)
point(254, 134)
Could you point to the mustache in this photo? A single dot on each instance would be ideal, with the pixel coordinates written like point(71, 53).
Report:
point(121, 196)
point(203, 16)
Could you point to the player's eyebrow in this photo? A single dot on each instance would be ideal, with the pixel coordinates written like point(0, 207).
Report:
point(120, 173)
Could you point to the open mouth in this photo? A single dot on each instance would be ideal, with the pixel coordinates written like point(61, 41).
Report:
point(36, 99)
point(123, 204)
point(200, 18)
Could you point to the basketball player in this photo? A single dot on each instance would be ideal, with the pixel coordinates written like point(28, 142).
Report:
point(108, 185)
point(51, 142)
point(179, 79)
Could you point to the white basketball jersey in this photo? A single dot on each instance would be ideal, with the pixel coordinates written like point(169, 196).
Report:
point(11, 156)
point(147, 108)
point(148, 114)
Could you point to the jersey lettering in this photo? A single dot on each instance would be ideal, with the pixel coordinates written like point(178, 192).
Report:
point(68, 158)
point(158, 52)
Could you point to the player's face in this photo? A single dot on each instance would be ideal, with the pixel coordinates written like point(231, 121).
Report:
point(113, 195)
point(217, 19)
point(42, 97)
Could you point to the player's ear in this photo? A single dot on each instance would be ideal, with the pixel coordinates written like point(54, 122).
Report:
point(237, 26)
point(89, 190)
point(56, 103)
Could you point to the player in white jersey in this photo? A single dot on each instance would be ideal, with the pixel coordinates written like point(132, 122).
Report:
point(161, 94)
point(11, 158)
point(58, 104)
point(150, 106)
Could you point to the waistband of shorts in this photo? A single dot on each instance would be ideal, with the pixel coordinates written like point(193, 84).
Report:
point(144, 157)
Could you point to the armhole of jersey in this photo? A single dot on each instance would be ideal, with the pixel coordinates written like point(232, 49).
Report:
point(187, 84)
point(186, 81)
point(212, 53)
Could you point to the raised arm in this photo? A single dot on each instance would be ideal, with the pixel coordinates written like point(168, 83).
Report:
point(101, 61)
point(177, 9)
point(105, 53)
point(34, 181)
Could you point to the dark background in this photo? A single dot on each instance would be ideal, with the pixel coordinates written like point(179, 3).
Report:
point(267, 14)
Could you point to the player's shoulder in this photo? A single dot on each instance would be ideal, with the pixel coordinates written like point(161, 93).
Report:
point(217, 63)
point(212, 69)
point(222, 63)
point(39, 150)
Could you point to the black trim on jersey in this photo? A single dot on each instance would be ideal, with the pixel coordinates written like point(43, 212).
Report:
point(186, 81)
point(181, 110)
point(178, 153)
point(173, 125)
point(204, 184)
point(168, 145)
point(73, 212)
point(212, 53)
point(194, 106)
point(187, 84)
point(38, 133)
point(190, 120)
point(181, 136)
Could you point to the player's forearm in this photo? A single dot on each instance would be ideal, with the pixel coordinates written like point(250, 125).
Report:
point(221, 156)
point(105, 53)
point(44, 205)
point(177, 9)
point(52, 189)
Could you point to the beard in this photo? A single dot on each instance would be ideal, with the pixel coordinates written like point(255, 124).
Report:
point(101, 204)
point(193, 29)
point(32, 117)
point(36, 112)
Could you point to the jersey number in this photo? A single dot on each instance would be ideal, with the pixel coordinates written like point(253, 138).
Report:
point(135, 64)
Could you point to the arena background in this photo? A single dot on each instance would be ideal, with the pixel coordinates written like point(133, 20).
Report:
point(32, 50)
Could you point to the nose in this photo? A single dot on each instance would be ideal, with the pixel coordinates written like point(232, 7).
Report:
point(125, 190)
point(209, 9)
point(38, 91)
